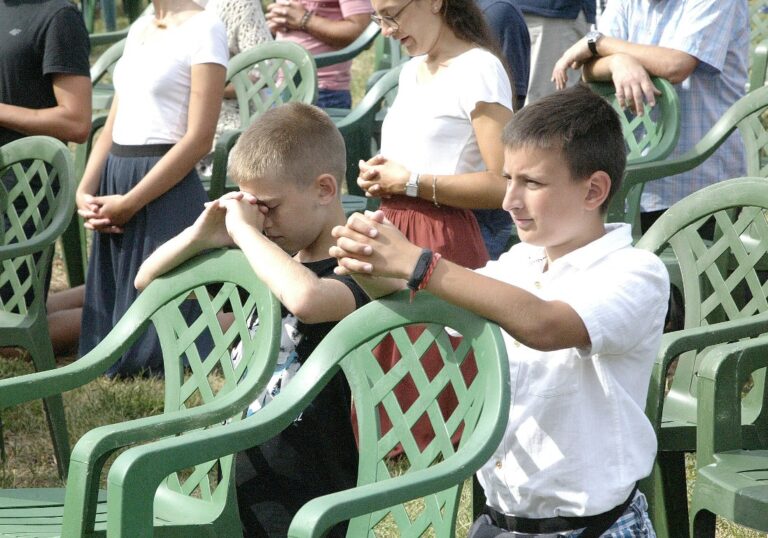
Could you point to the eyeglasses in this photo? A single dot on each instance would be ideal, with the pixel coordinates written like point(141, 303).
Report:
point(390, 20)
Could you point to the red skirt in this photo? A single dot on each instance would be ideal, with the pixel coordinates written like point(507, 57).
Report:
point(454, 233)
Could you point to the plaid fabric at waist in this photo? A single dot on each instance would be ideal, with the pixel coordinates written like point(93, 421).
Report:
point(558, 523)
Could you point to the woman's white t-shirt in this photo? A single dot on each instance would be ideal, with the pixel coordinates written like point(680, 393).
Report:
point(429, 126)
point(153, 79)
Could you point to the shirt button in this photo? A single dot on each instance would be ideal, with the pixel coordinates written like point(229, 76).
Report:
point(516, 343)
point(537, 284)
point(498, 464)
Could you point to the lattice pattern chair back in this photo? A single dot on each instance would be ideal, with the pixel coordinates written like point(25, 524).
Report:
point(724, 278)
point(37, 196)
point(270, 74)
point(652, 136)
point(195, 347)
point(435, 473)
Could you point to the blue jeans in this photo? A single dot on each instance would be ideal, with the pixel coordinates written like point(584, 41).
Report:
point(634, 523)
point(334, 99)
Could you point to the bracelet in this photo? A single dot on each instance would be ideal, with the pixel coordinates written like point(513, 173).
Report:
point(425, 266)
point(434, 191)
point(419, 271)
point(431, 269)
point(305, 19)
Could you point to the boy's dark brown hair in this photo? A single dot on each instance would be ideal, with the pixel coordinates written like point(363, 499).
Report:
point(581, 125)
point(292, 142)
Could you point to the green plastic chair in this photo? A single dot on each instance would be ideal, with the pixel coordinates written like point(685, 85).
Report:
point(725, 288)
point(284, 72)
point(730, 482)
point(38, 192)
point(744, 115)
point(192, 350)
point(436, 474)
point(358, 130)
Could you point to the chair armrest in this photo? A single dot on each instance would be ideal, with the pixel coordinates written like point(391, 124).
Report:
point(319, 515)
point(721, 377)
point(136, 473)
point(698, 338)
point(224, 145)
point(363, 42)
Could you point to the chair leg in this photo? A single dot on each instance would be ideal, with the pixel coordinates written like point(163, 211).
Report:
point(478, 498)
point(703, 524)
point(73, 248)
point(666, 492)
point(42, 357)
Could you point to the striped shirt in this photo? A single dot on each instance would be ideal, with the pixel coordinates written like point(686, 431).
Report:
point(716, 32)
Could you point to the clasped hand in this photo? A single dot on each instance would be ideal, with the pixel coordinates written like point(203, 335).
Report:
point(106, 214)
point(380, 178)
point(222, 219)
point(284, 15)
point(369, 244)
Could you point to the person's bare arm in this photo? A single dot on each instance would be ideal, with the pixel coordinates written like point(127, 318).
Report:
point(310, 298)
point(69, 120)
point(671, 64)
point(381, 177)
point(204, 105)
point(538, 324)
point(288, 15)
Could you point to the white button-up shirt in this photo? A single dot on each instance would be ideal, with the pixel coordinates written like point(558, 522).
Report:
point(577, 438)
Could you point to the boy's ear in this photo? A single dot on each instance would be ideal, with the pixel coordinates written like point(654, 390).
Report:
point(327, 188)
point(598, 189)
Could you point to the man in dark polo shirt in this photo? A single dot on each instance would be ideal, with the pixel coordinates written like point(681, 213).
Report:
point(45, 87)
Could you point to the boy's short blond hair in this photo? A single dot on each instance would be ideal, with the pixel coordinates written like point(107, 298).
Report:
point(292, 142)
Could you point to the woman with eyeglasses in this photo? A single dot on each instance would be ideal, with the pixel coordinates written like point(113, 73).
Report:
point(441, 151)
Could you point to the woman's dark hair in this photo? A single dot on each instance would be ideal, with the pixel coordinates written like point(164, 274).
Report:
point(467, 22)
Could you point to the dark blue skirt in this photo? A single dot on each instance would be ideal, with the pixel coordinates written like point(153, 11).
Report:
point(115, 258)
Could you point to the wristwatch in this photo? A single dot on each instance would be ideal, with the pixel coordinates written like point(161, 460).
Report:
point(412, 187)
point(593, 36)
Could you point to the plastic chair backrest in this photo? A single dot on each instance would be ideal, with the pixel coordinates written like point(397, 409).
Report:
point(758, 65)
point(361, 43)
point(745, 114)
point(357, 127)
point(724, 277)
point(652, 136)
point(473, 369)
point(105, 63)
point(184, 306)
point(270, 74)
point(38, 194)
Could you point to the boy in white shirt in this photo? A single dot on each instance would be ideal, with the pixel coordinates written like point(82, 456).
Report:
point(582, 313)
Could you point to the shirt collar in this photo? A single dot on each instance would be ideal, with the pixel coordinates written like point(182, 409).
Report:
point(617, 236)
